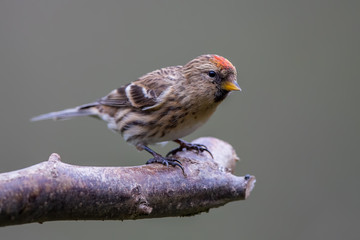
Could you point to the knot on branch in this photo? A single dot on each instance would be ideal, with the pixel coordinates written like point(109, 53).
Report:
point(141, 204)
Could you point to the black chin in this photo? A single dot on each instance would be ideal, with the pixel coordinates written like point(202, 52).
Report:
point(220, 95)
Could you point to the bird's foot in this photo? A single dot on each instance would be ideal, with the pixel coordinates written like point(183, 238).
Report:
point(165, 161)
point(160, 159)
point(189, 146)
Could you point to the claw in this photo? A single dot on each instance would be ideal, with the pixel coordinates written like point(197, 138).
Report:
point(166, 161)
point(172, 152)
point(189, 146)
point(160, 159)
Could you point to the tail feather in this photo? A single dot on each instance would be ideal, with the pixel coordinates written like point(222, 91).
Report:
point(84, 110)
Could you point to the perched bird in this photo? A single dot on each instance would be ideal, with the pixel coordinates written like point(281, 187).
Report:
point(163, 105)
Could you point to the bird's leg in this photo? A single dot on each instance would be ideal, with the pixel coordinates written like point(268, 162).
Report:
point(189, 146)
point(160, 159)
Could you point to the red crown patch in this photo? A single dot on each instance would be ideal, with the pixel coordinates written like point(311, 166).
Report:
point(221, 62)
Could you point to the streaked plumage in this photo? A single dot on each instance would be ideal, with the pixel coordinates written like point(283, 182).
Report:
point(163, 105)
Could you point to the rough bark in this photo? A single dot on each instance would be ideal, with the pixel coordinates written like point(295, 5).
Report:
point(54, 190)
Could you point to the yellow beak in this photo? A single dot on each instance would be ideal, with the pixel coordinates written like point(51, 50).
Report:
point(230, 86)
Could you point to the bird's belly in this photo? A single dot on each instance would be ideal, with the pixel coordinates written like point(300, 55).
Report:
point(180, 132)
point(182, 127)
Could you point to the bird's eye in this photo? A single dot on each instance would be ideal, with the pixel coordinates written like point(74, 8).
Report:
point(212, 73)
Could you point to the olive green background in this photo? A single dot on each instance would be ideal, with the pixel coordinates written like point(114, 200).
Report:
point(295, 126)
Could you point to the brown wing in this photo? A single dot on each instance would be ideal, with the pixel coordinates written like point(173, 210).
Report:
point(149, 92)
point(116, 98)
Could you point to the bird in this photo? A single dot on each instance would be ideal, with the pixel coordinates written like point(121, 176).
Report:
point(163, 105)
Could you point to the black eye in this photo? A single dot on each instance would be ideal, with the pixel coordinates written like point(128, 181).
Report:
point(212, 73)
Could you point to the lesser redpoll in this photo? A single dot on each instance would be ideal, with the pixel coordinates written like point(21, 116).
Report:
point(163, 105)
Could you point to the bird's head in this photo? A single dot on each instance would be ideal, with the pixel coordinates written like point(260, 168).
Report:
point(213, 72)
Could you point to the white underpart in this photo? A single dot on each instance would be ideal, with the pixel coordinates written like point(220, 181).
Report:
point(180, 132)
point(134, 130)
point(110, 120)
point(122, 113)
point(188, 126)
point(119, 115)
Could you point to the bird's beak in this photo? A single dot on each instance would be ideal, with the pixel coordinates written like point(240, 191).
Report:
point(230, 86)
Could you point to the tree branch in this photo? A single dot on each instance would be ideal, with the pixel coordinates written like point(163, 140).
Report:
point(54, 190)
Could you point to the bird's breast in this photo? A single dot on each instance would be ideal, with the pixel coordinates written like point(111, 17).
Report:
point(180, 124)
point(168, 123)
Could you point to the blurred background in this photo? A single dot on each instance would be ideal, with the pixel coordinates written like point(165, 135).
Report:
point(295, 126)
